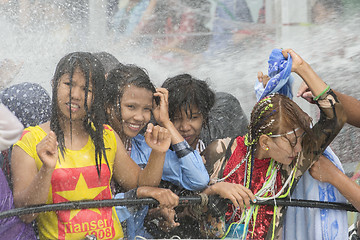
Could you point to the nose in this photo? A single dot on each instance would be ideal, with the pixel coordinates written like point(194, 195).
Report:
point(139, 116)
point(76, 93)
point(185, 125)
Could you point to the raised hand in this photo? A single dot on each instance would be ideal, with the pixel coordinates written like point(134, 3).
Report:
point(304, 92)
point(158, 138)
point(297, 61)
point(161, 111)
point(263, 78)
point(47, 150)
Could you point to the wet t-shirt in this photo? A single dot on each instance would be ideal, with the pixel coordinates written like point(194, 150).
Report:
point(75, 178)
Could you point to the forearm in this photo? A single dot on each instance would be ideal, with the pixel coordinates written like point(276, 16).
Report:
point(175, 135)
point(351, 106)
point(315, 83)
point(210, 190)
point(36, 193)
point(151, 175)
point(349, 189)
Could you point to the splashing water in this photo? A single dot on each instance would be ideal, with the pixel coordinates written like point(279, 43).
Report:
point(36, 34)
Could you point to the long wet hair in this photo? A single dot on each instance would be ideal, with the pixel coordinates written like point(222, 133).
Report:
point(270, 116)
point(119, 78)
point(95, 116)
point(186, 91)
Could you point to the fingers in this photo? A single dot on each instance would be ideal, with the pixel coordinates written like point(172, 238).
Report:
point(156, 134)
point(302, 89)
point(167, 199)
point(52, 141)
point(263, 78)
point(163, 93)
point(287, 51)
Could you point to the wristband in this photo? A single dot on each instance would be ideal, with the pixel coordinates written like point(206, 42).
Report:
point(322, 93)
point(182, 149)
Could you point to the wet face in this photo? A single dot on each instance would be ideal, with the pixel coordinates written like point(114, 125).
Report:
point(189, 125)
point(285, 147)
point(75, 102)
point(136, 105)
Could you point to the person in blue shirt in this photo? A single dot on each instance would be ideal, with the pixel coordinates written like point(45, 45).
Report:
point(131, 99)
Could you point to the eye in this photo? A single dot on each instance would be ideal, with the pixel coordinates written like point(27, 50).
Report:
point(147, 109)
point(130, 106)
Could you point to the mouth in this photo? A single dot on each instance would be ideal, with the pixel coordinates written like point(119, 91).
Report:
point(73, 107)
point(134, 127)
point(187, 138)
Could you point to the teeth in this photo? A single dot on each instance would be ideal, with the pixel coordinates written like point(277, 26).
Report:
point(73, 105)
point(134, 126)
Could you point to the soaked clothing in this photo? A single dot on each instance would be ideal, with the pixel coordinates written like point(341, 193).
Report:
point(12, 227)
point(260, 167)
point(188, 171)
point(331, 121)
point(77, 179)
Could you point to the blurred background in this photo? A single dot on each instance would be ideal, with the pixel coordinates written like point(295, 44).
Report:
point(224, 41)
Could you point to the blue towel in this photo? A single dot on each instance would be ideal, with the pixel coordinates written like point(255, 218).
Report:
point(280, 76)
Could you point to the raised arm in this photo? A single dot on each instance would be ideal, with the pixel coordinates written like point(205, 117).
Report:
point(332, 116)
point(193, 175)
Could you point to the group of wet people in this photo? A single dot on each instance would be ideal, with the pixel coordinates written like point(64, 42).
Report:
point(109, 133)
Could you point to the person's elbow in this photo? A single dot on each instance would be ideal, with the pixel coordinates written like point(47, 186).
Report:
point(200, 183)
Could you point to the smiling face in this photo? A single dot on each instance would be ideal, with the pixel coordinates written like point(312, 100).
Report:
point(74, 103)
point(189, 124)
point(135, 106)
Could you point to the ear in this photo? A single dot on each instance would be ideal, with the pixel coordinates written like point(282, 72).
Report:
point(264, 142)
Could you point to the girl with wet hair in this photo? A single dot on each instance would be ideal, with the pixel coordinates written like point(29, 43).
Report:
point(189, 98)
point(74, 156)
point(270, 159)
point(188, 103)
point(131, 98)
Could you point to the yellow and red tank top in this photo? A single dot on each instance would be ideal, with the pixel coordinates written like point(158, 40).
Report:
point(76, 178)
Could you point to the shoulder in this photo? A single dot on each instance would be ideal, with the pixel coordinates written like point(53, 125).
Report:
point(217, 148)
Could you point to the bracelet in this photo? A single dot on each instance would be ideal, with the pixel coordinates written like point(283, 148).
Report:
point(318, 96)
point(182, 149)
point(180, 146)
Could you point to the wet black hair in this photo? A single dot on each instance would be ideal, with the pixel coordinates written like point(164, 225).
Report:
point(119, 78)
point(108, 60)
point(93, 71)
point(186, 91)
point(122, 76)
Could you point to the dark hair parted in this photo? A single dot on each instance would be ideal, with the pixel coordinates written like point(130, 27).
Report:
point(274, 114)
point(122, 76)
point(186, 91)
point(93, 72)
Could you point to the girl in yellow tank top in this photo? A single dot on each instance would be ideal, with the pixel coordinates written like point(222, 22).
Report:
point(74, 156)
